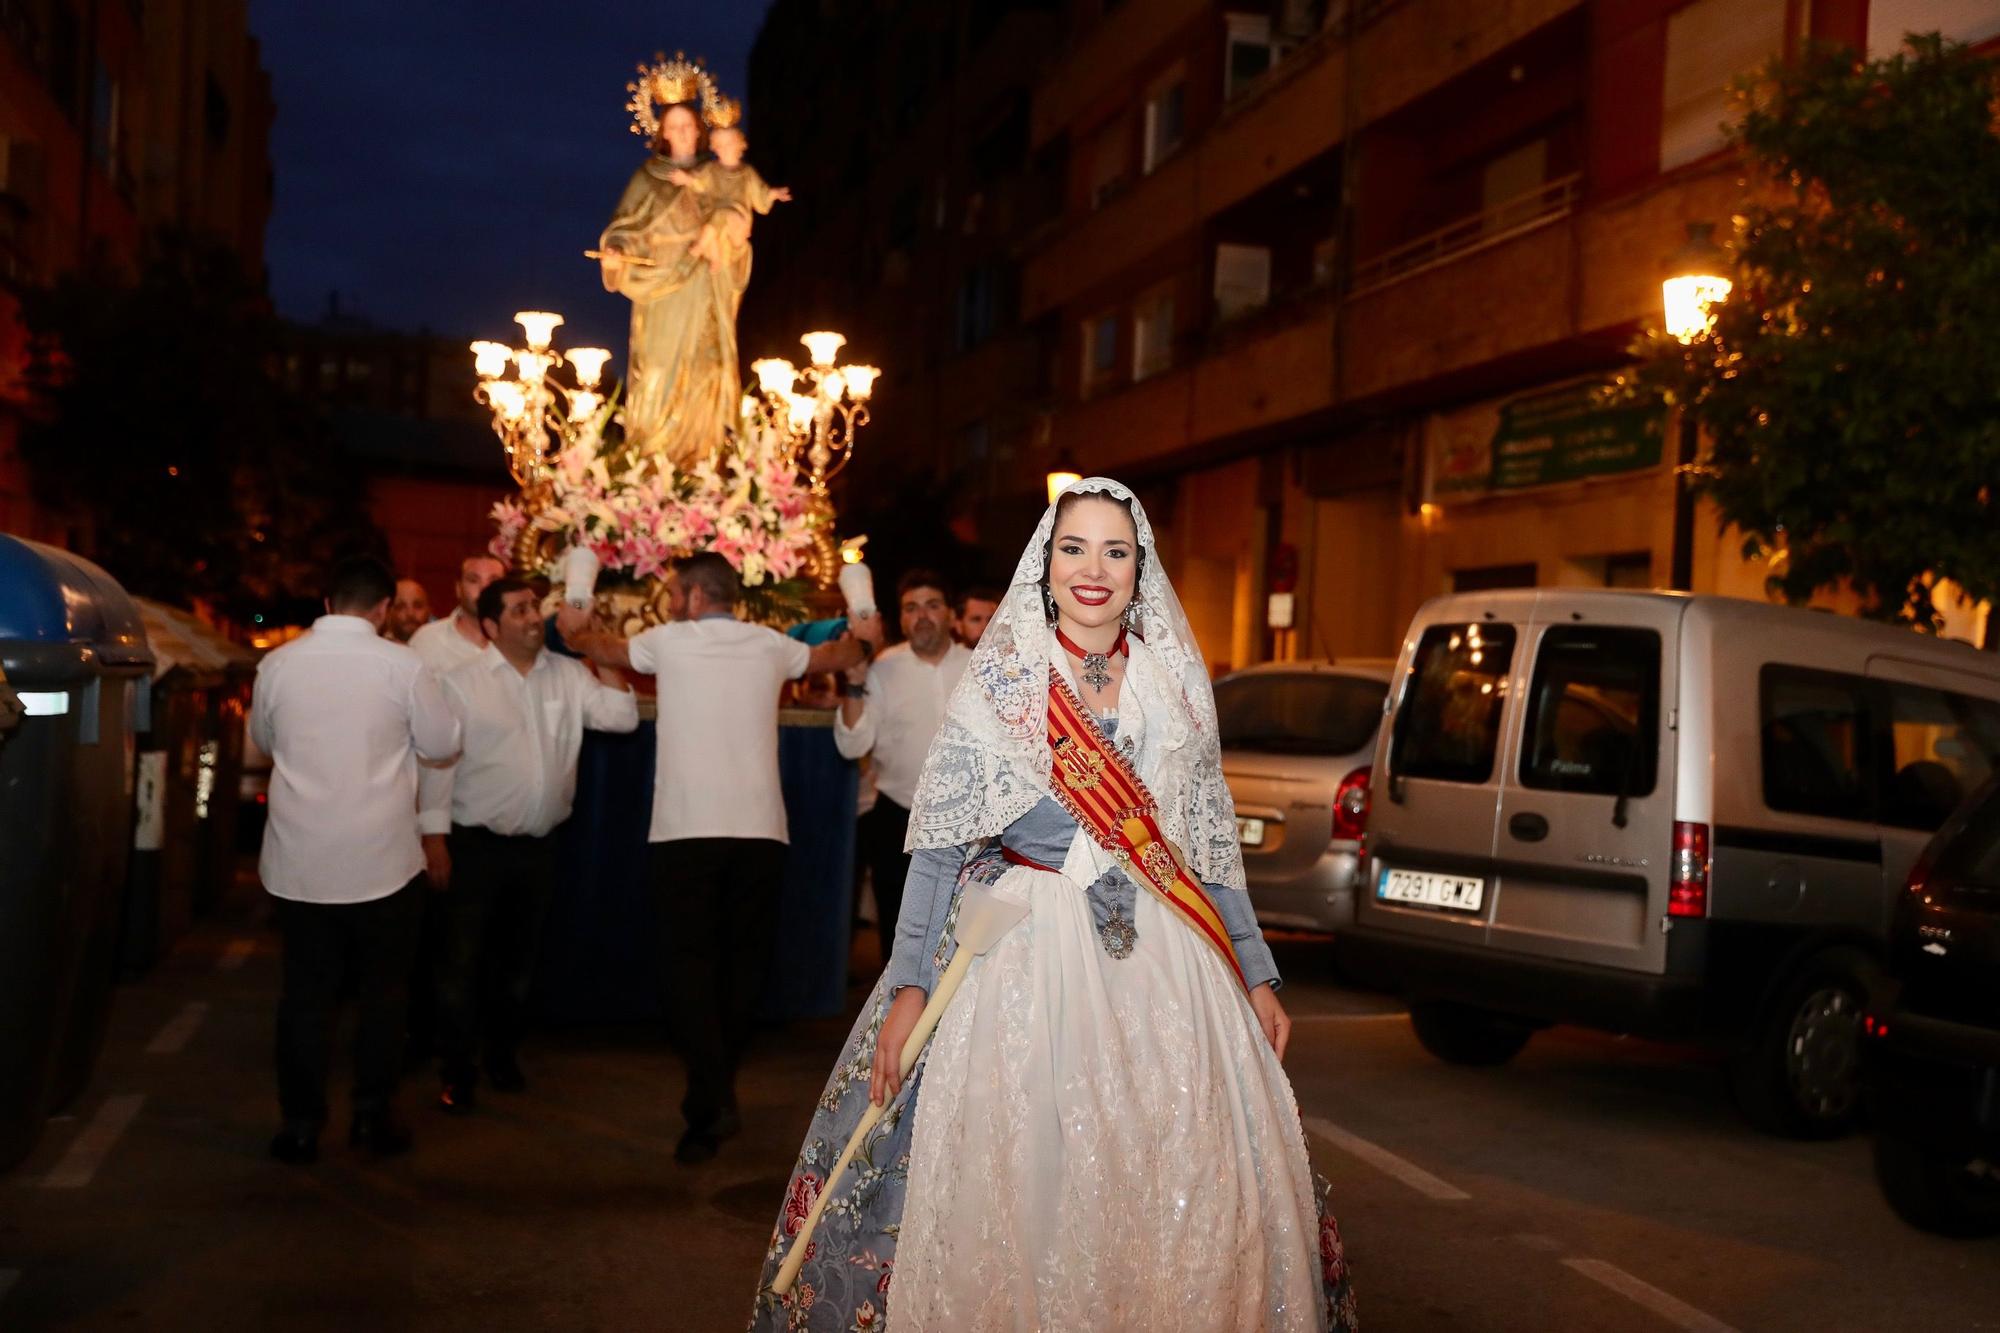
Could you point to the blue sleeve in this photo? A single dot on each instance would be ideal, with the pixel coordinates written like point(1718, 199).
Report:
point(920, 924)
point(1239, 917)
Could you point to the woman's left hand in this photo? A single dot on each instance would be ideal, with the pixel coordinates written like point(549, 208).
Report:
point(1271, 1017)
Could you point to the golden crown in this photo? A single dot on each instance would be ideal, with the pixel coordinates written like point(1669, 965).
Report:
point(666, 83)
point(727, 114)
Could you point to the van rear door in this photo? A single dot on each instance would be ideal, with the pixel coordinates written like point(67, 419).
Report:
point(1435, 791)
point(1584, 840)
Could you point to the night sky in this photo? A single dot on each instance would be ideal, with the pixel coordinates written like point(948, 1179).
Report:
point(442, 166)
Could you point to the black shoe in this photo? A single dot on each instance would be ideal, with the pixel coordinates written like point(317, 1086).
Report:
point(456, 1098)
point(697, 1146)
point(380, 1135)
point(506, 1076)
point(296, 1145)
point(726, 1126)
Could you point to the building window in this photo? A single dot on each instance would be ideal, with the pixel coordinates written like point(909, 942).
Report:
point(1100, 352)
point(1242, 279)
point(1709, 43)
point(1166, 120)
point(1153, 333)
point(1510, 186)
point(984, 303)
point(1248, 52)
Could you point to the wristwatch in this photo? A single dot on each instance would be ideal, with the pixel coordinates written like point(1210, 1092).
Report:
point(849, 690)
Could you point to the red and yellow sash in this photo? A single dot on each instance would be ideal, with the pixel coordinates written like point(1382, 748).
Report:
point(1099, 788)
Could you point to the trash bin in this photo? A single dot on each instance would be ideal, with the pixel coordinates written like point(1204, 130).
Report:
point(72, 650)
point(190, 768)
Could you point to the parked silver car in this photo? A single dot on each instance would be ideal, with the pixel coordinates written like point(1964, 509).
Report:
point(1297, 742)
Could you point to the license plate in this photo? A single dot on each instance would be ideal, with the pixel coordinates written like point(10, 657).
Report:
point(1249, 832)
point(1425, 888)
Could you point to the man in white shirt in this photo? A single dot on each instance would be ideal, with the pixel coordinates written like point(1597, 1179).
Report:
point(410, 612)
point(719, 834)
point(457, 639)
point(892, 709)
point(345, 714)
point(523, 710)
point(444, 645)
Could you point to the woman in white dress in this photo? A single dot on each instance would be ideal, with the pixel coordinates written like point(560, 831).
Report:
point(1100, 1135)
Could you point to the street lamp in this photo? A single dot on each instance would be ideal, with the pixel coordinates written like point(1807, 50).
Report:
point(1696, 282)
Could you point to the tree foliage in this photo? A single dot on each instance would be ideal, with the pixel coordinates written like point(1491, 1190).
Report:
point(1850, 387)
point(159, 422)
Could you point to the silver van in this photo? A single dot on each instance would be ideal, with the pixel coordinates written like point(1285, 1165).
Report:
point(1683, 817)
point(1297, 742)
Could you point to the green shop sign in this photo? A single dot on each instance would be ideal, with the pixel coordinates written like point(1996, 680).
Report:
point(1558, 435)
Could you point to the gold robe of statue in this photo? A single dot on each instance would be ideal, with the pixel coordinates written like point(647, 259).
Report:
point(682, 388)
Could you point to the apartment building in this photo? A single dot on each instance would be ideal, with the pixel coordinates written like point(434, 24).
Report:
point(1336, 282)
point(903, 131)
point(117, 116)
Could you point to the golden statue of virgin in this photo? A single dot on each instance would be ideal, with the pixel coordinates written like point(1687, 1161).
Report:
point(661, 251)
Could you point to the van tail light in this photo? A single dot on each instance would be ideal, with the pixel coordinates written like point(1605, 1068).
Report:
point(1350, 807)
point(1688, 894)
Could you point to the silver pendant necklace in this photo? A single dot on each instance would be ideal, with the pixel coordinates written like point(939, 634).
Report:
point(1096, 671)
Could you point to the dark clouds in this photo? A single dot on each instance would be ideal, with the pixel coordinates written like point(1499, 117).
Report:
point(445, 165)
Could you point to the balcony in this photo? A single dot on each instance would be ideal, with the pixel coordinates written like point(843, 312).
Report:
point(1495, 226)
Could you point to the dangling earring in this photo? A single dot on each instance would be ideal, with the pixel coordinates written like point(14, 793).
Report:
point(1048, 604)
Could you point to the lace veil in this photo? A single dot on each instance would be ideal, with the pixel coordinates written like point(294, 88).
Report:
point(989, 763)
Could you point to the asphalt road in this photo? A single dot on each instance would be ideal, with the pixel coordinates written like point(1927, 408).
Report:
point(1595, 1183)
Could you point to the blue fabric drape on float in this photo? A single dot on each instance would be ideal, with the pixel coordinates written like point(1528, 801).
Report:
point(808, 977)
point(599, 960)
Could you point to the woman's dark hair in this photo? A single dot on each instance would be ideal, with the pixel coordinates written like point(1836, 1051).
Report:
point(1062, 507)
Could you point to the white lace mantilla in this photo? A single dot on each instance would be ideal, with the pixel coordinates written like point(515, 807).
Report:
point(989, 764)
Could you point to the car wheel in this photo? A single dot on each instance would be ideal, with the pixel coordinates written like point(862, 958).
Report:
point(1461, 1035)
point(1949, 1194)
point(1800, 1076)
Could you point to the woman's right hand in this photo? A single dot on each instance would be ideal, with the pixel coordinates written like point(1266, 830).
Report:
point(904, 1011)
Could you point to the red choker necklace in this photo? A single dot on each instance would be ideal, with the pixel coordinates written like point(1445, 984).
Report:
point(1096, 671)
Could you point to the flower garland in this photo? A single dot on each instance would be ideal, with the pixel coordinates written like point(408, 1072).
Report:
point(747, 504)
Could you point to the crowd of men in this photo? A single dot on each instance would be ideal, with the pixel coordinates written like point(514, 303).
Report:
point(421, 768)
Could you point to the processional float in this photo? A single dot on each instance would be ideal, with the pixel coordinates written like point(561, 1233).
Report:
point(683, 454)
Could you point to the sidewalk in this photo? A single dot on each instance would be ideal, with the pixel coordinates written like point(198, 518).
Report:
point(152, 1205)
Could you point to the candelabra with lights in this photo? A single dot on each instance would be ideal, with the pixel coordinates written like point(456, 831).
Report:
point(534, 414)
point(818, 408)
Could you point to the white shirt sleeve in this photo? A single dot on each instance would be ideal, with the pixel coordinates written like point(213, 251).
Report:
point(855, 741)
point(260, 708)
point(793, 655)
point(646, 649)
point(606, 707)
point(433, 726)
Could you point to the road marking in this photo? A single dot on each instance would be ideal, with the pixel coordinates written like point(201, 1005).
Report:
point(1676, 1312)
point(235, 955)
point(1418, 1179)
point(179, 1028)
point(1395, 1017)
point(90, 1147)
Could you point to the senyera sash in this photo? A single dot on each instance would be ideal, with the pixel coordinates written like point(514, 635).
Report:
point(1100, 789)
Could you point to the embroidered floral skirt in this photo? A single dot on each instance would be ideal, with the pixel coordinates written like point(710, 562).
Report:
point(1090, 1144)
